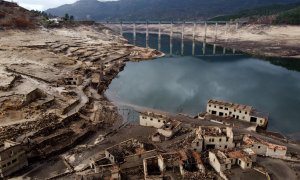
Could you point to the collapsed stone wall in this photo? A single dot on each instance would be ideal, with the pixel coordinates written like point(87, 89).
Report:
point(33, 96)
point(9, 85)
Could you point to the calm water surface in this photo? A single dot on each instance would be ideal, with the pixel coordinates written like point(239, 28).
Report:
point(183, 84)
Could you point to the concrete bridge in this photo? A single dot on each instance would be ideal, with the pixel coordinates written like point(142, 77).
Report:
point(183, 24)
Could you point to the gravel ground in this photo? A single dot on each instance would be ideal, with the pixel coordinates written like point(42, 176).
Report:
point(279, 169)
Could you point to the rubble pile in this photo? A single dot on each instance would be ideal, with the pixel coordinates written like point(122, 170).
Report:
point(18, 131)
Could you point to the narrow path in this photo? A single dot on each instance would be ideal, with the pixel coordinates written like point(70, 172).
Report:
point(83, 97)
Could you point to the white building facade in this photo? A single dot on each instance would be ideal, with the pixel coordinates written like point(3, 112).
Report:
point(219, 161)
point(152, 120)
point(169, 129)
point(237, 111)
point(264, 148)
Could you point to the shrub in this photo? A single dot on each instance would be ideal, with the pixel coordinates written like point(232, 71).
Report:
point(2, 15)
point(289, 17)
point(21, 22)
point(6, 22)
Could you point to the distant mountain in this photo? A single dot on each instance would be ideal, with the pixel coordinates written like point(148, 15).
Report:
point(158, 9)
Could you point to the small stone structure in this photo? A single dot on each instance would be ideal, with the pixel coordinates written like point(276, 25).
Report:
point(130, 150)
point(166, 127)
point(211, 137)
point(73, 80)
point(224, 161)
point(156, 137)
point(187, 162)
point(243, 158)
point(219, 161)
point(169, 129)
point(264, 148)
point(7, 81)
point(32, 96)
point(12, 158)
point(153, 170)
point(190, 162)
point(153, 120)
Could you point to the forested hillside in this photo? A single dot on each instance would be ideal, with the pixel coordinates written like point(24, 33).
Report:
point(158, 9)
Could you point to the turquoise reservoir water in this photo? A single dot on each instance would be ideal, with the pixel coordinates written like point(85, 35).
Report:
point(184, 84)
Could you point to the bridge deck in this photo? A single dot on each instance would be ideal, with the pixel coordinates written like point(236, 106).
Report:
point(170, 22)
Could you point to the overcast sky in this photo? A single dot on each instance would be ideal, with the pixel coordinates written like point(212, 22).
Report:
point(43, 4)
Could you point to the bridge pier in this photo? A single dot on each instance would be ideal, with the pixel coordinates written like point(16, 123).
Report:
point(226, 36)
point(194, 38)
point(214, 49)
point(226, 31)
point(215, 39)
point(159, 36)
point(237, 26)
point(147, 35)
point(228, 26)
point(216, 32)
point(205, 31)
point(134, 33)
point(121, 28)
point(171, 39)
point(204, 39)
point(236, 29)
point(182, 38)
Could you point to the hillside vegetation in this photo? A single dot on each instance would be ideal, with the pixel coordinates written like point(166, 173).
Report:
point(12, 15)
point(260, 11)
point(275, 14)
point(158, 9)
point(289, 17)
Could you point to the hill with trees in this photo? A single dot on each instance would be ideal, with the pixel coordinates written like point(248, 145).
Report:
point(14, 16)
point(289, 17)
point(274, 14)
point(260, 11)
point(158, 9)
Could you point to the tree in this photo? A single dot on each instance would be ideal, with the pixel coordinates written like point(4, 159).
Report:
point(71, 18)
point(67, 17)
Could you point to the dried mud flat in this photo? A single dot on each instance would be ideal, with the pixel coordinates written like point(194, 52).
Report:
point(52, 84)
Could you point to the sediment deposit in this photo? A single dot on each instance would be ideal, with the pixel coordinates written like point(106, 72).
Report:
point(52, 84)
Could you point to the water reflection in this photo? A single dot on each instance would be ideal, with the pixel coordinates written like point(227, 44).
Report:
point(290, 64)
